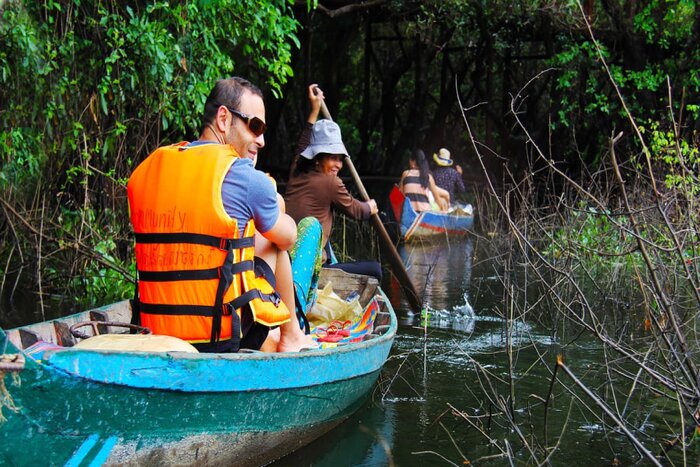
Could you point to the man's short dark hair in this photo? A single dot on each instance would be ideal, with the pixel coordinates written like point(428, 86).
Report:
point(226, 92)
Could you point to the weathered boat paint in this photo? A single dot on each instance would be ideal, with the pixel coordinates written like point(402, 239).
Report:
point(414, 225)
point(178, 371)
point(81, 407)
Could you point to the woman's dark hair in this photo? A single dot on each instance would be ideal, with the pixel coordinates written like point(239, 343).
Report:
point(419, 156)
point(226, 92)
point(304, 165)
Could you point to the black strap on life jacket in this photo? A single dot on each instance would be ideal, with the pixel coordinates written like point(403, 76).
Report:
point(224, 273)
point(136, 304)
point(197, 239)
point(252, 294)
point(192, 274)
point(225, 279)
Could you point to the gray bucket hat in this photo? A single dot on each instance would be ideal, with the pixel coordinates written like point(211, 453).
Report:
point(325, 138)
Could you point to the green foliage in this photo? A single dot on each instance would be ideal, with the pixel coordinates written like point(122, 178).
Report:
point(603, 242)
point(102, 284)
point(94, 281)
point(665, 23)
point(594, 238)
point(111, 73)
point(105, 78)
point(572, 60)
point(89, 88)
point(22, 159)
point(644, 45)
point(680, 158)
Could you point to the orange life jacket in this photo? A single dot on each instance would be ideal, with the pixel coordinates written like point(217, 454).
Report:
point(195, 271)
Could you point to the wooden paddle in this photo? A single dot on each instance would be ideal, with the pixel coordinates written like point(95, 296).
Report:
point(385, 242)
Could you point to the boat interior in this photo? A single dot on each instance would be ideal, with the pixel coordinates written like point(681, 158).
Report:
point(115, 319)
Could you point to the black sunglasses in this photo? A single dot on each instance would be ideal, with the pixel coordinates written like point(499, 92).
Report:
point(255, 125)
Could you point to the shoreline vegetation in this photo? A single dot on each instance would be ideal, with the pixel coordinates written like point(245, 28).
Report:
point(589, 155)
point(622, 238)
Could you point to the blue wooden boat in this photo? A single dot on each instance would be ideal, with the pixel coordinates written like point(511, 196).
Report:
point(79, 406)
point(428, 224)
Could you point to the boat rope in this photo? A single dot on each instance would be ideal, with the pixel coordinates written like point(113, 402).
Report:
point(12, 363)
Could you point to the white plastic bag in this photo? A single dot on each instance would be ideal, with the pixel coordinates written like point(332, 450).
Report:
point(330, 307)
point(462, 210)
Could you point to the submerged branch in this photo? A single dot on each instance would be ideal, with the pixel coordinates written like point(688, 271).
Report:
point(609, 413)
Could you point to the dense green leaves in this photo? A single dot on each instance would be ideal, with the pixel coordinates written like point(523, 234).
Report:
point(645, 46)
point(89, 88)
point(110, 74)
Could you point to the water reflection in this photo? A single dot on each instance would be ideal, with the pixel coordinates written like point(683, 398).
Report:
point(365, 439)
point(430, 366)
point(431, 375)
point(440, 271)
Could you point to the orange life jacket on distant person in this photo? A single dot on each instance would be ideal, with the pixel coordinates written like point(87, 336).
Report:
point(195, 271)
point(414, 191)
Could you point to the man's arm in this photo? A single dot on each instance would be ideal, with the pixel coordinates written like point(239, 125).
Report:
point(267, 209)
point(284, 232)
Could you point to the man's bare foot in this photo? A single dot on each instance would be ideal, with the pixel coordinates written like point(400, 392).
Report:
point(296, 342)
point(272, 341)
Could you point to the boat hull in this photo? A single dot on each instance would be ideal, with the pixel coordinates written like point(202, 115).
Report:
point(106, 407)
point(426, 225)
point(118, 425)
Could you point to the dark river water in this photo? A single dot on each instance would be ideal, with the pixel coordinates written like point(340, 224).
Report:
point(428, 368)
point(408, 419)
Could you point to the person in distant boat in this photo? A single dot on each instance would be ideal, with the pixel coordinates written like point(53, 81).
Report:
point(447, 176)
point(418, 185)
point(314, 188)
point(196, 207)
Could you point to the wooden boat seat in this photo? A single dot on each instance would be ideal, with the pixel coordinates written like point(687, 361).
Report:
point(136, 342)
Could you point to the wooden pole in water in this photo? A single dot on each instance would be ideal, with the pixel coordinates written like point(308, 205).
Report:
point(397, 266)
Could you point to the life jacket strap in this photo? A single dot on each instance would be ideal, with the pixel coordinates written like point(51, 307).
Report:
point(136, 304)
point(192, 274)
point(208, 311)
point(224, 273)
point(252, 294)
point(161, 309)
point(198, 239)
point(225, 280)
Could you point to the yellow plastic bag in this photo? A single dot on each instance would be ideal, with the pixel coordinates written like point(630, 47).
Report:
point(330, 307)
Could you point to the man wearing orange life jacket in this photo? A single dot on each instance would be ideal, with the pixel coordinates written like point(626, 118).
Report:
point(204, 272)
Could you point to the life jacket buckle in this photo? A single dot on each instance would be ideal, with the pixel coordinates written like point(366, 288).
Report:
point(227, 310)
point(275, 298)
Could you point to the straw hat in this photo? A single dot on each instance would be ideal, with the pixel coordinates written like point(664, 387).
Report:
point(442, 158)
point(326, 139)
